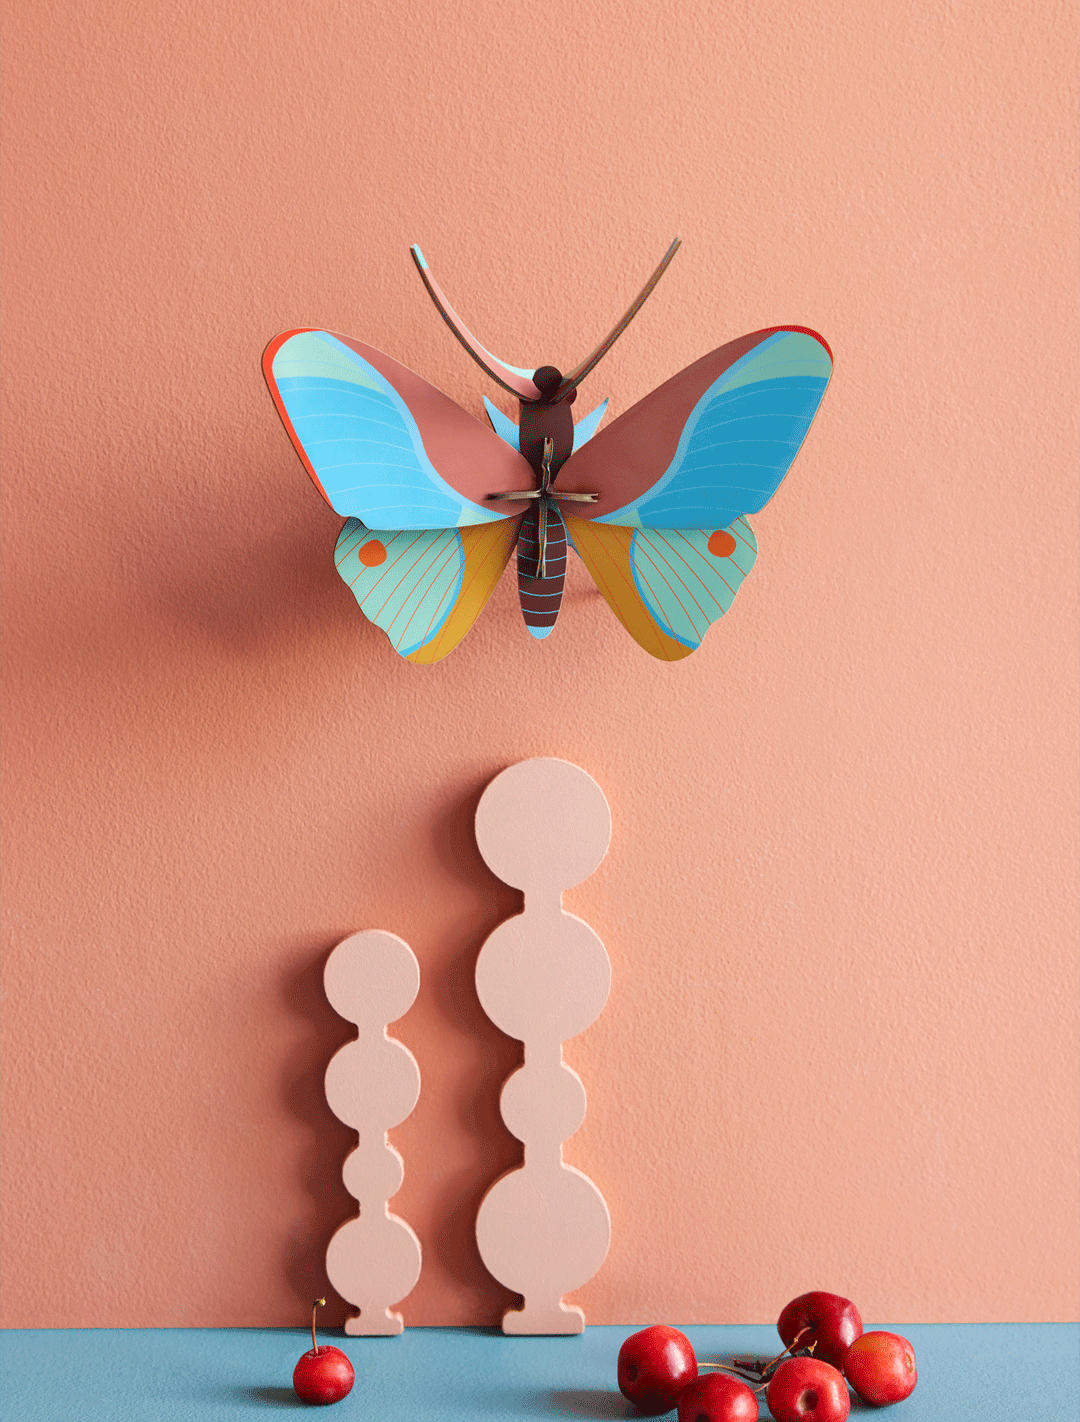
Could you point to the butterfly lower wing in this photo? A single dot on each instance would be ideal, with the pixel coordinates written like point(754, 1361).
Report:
point(383, 445)
point(424, 587)
point(712, 443)
point(666, 586)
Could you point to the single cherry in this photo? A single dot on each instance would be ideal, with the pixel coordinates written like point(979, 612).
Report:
point(654, 1367)
point(827, 1320)
point(716, 1397)
point(806, 1390)
point(880, 1367)
point(324, 1374)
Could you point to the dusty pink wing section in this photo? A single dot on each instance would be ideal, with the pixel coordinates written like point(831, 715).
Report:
point(625, 460)
point(713, 442)
point(383, 445)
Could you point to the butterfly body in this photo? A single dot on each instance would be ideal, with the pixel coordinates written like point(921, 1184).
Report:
point(655, 503)
point(541, 570)
point(545, 437)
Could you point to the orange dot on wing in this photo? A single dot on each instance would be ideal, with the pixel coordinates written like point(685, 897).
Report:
point(372, 554)
point(721, 544)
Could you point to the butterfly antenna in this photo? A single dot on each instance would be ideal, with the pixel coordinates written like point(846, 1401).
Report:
point(510, 377)
point(579, 372)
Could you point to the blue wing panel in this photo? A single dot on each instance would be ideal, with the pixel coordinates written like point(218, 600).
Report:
point(740, 439)
point(502, 424)
point(587, 426)
point(362, 440)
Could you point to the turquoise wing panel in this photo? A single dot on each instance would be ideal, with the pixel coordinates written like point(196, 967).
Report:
point(406, 583)
point(688, 578)
point(358, 438)
point(424, 587)
point(740, 439)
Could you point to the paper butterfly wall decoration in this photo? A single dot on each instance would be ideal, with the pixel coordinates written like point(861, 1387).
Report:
point(655, 504)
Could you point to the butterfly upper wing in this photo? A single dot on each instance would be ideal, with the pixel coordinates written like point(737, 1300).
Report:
point(666, 540)
point(383, 445)
point(502, 424)
point(424, 587)
point(710, 444)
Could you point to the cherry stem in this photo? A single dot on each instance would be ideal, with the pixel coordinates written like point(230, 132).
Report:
point(319, 1303)
point(762, 1368)
point(745, 1376)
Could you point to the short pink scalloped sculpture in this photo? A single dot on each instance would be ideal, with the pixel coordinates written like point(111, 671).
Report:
point(373, 1083)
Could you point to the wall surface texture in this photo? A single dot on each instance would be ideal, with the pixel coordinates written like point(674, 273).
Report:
point(840, 901)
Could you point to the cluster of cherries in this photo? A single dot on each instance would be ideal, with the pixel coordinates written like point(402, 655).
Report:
point(822, 1333)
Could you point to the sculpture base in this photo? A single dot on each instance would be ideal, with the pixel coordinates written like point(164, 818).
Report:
point(535, 1320)
point(375, 1325)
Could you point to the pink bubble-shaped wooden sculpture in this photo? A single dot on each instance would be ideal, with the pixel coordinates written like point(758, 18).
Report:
point(543, 976)
point(373, 1083)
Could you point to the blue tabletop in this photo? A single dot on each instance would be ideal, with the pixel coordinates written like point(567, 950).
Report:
point(1001, 1372)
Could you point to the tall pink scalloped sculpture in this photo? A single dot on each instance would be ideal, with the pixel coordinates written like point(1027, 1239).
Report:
point(543, 976)
point(372, 1084)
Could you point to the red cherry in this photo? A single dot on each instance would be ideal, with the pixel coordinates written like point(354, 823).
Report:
point(323, 1374)
point(716, 1397)
point(828, 1320)
point(654, 1367)
point(880, 1367)
point(806, 1390)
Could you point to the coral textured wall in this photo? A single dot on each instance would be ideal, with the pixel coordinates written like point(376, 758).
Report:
point(840, 1050)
